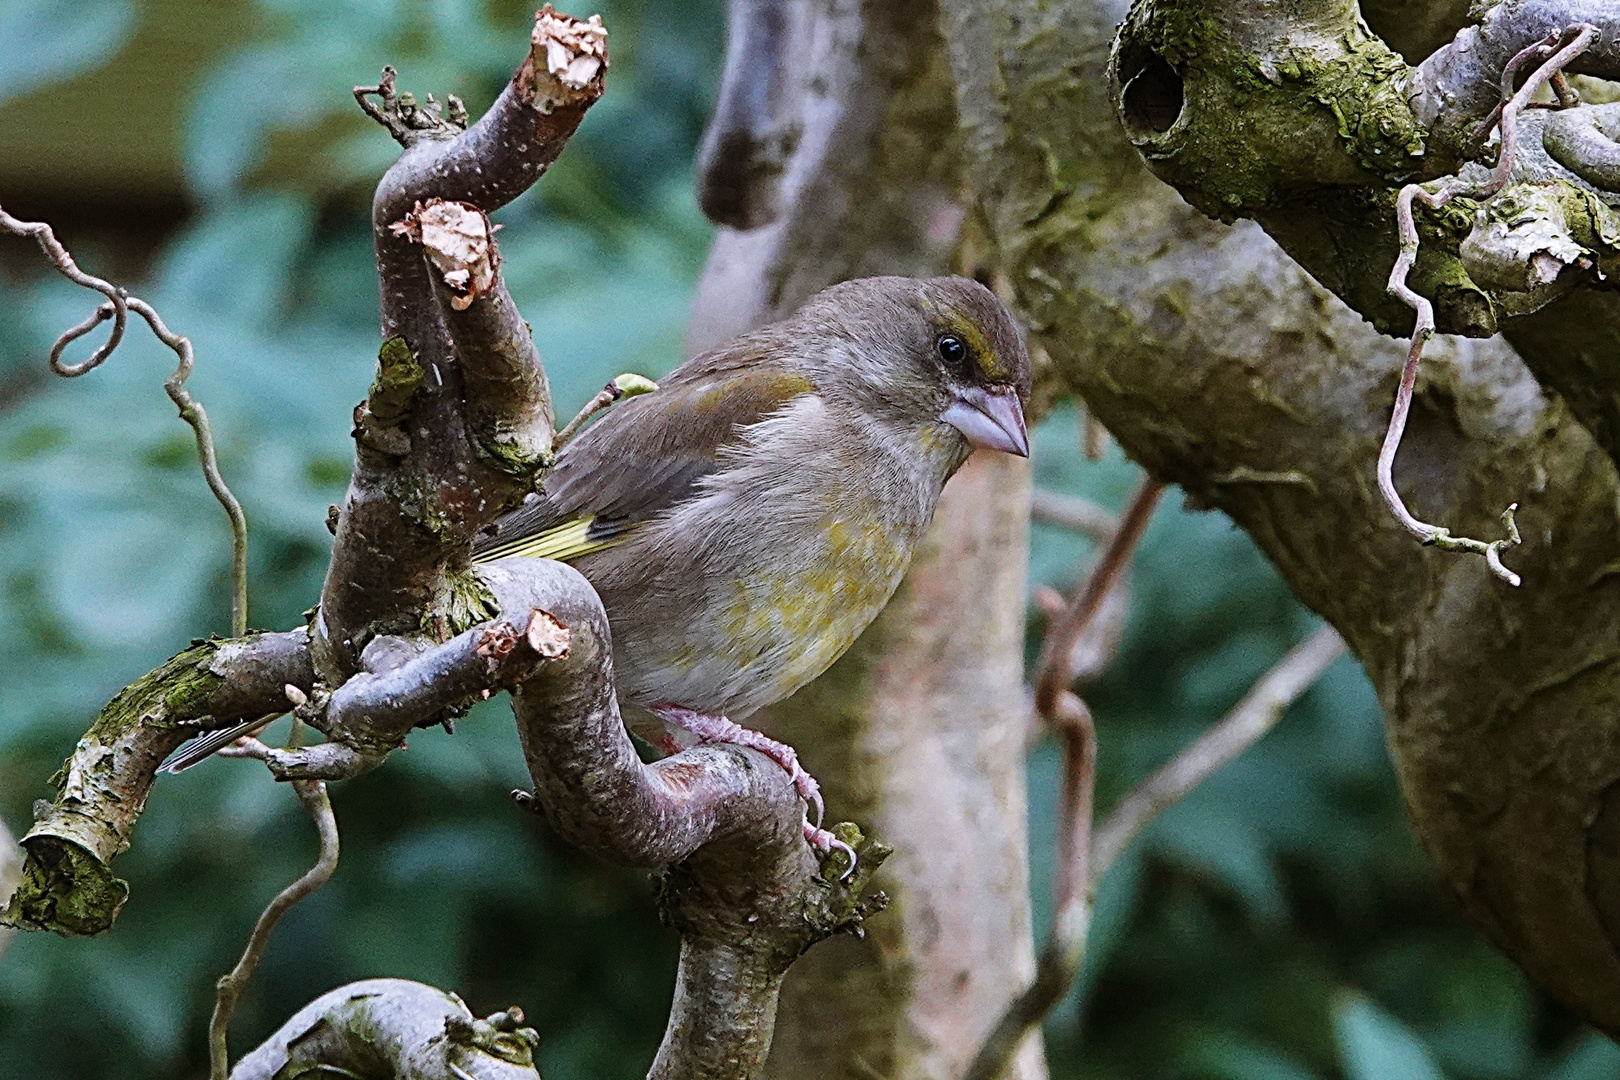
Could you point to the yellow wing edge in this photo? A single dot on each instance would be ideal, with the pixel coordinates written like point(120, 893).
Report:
point(564, 542)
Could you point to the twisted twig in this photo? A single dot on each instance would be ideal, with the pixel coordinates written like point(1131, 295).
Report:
point(1052, 672)
point(1434, 195)
point(1065, 713)
point(1084, 854)
point(117, 307)
point(312, 793)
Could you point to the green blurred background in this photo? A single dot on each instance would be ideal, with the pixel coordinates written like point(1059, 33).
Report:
point(1279, 925)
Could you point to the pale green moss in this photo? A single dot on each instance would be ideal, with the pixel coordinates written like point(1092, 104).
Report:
point(399, 377)
point(65, 889)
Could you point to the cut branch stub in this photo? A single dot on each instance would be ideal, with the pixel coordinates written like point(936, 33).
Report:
point(460, 245)
point(68, 885)
point(567, 61)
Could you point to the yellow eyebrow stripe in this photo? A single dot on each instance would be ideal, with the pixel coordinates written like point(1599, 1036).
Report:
point(985, 354)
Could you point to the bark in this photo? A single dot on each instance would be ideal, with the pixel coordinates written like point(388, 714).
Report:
point(919, 729)
point(11, 864)
point(443, 447)
point(1220, 365)
point(1294, 115)
point(68, 885)
point(394, 1029)
point(744, 888)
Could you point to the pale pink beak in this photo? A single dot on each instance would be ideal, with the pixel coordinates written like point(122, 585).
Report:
point(991, 419)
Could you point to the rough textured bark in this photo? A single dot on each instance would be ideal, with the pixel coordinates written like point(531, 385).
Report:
point(1220, 365)
point(1291, 113)
point(918, 730)
point(68, 885)
point(443, 446)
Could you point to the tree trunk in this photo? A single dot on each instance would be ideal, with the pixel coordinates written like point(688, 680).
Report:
point(1220, 365)
point(918, 732)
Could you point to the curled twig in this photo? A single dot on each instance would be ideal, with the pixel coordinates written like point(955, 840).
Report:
point(1064, 712)
point(1435, 195)
point(53, 249)
point(312, 793)
point(1065, 946)
point(117, 307)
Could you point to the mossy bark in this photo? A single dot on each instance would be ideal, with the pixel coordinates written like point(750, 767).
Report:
point(67, 881)
point(1292, 113)
point(1215, 360)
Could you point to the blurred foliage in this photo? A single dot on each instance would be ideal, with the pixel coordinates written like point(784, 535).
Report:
point(1278, 925)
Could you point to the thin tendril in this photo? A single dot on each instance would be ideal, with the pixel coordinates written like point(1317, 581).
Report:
point(117, 307)
point(1434, 195)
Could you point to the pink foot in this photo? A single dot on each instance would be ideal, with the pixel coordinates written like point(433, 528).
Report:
point(825, 842)
point(707, 728)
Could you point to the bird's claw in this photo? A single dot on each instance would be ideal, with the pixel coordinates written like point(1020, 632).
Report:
point(707, 728)
point(826, 843)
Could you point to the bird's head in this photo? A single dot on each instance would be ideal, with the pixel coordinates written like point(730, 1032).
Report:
point(929, 353)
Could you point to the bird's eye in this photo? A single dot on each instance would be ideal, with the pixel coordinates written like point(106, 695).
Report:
point(951, 350)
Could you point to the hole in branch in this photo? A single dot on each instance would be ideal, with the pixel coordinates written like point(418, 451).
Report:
point(1153, 97)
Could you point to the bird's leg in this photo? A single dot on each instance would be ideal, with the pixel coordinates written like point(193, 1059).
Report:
point(708, 728)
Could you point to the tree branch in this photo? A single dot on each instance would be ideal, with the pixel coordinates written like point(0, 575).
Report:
point(395, 1028)
point(1334, 124)
point(1207, 351)
point(1459, 84)
point(458, 424)
point(455, 429)
point(68, 885)
point(1054, 671)
point(753, 133)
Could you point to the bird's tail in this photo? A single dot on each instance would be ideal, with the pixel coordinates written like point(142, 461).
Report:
point(210, 743)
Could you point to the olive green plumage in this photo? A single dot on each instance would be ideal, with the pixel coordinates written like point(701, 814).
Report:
point(747, 520)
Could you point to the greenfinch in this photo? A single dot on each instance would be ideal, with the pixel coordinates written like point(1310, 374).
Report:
point(744, 522)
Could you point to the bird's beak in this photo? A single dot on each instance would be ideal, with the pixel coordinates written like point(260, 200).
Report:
point(992, 419)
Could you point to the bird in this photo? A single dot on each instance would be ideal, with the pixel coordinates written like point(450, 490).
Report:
point(746, 521)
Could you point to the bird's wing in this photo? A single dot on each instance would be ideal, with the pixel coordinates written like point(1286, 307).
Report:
point(644, 456)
